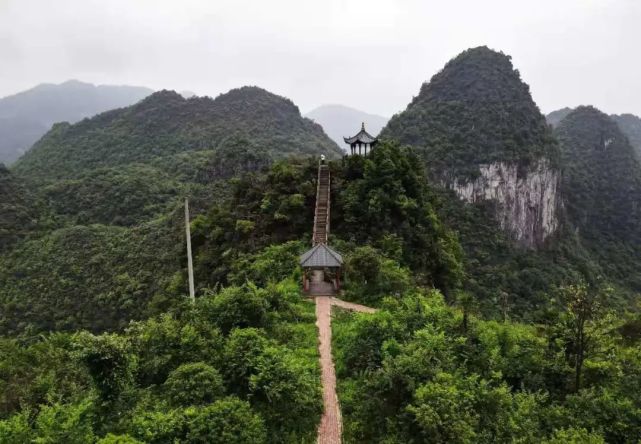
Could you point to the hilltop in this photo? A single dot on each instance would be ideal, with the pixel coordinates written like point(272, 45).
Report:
point(476, 110)
point(165, 124)
point(28, 115)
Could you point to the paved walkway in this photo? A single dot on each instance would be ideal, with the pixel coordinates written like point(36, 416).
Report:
point(331, 425)
point(351, 306)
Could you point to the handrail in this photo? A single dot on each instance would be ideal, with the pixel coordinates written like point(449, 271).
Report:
point(315, 239)
point(318, 183)
point(329, 193)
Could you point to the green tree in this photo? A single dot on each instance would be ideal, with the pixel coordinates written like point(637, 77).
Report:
point(227, 421)
point(194, 384)
point(71, 423)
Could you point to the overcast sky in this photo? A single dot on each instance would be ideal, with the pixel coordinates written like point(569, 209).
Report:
point(368, 54)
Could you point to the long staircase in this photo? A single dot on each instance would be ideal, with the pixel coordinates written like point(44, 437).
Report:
point(321, 216)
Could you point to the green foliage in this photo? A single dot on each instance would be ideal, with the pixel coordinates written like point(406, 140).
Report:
point(164, 379)
point(94, 277)
point(225, 421)
point(574, 436)
point(162, 344)
point(118, 439)
point(385, 201)
point(236, 307)
point(194, 384)
point(431, 381)
point(18, 215)
point(109, 363)
point(372, 276)
point(65, 423)
point(16, 429)
point(124, 196)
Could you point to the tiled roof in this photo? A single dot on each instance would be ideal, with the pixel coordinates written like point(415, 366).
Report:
point(362, 137)
point(321, 256)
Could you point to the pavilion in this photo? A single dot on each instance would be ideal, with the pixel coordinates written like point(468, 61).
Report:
point(362, 143)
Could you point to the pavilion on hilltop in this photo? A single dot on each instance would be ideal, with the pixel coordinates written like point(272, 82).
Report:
point(362, 143)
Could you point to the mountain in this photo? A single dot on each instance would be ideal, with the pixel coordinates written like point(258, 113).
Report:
point(113, 187)
point(26, 116)
point(164, 126)
point(629, 124)
point(602, 191)
point(340, 121)
point(631, 127)
point(482, 135)
point(555, 117)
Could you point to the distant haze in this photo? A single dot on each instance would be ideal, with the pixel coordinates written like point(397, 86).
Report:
point(340, 121)
point(28, 115)
point(372, 55)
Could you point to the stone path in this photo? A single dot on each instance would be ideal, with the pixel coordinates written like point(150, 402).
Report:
point(351, 306)
point(331, 425)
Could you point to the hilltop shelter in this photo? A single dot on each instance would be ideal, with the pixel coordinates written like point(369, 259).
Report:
point(318, 263)
point(362, 143)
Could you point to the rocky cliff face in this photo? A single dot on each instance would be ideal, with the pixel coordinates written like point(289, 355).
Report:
point(526, 201)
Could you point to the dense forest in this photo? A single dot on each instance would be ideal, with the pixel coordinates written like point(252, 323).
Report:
point(476, 339)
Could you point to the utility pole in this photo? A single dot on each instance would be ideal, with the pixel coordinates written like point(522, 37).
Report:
point(190, 264)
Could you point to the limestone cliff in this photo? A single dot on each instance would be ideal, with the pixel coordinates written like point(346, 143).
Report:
point(526, 202)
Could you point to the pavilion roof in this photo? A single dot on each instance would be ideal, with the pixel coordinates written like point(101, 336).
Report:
point(362, 137)
point(321, 256)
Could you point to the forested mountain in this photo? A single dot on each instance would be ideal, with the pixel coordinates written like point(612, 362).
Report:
point(340, 121)
point(27, 116)
point(111, 188)
point(630, 126)
point(555, 117)
point(482, 135)
point(165, 124)
point(602, 190)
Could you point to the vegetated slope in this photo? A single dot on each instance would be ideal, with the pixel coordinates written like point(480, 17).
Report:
point(93, 277)
point(166, 124)
point(630, 126)
point(18, 213)
point(476, 110)
point(113, 186)
point(340, 121)
point(602, 189)
point(27, 116)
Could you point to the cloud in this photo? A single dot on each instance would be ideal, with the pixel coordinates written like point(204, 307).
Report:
point(368, 54)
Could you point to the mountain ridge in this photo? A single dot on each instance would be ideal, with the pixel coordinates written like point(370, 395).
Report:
point(28, 115)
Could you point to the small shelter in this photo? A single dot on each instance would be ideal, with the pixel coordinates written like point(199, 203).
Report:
point(321, 261)
point(361, 143)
